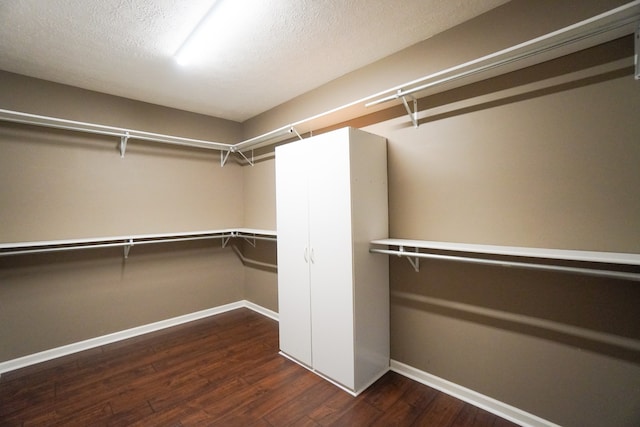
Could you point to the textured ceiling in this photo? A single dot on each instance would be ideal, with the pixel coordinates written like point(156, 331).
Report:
point(264, 53)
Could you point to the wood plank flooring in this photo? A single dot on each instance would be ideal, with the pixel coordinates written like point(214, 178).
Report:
point(224, 370)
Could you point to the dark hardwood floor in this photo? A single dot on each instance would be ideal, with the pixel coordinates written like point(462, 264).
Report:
point(224, 370)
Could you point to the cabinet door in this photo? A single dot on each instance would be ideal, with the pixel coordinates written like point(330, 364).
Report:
point(293, 252)
point(331, 268)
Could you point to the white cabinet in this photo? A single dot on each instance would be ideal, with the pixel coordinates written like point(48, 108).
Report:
point(333, 295)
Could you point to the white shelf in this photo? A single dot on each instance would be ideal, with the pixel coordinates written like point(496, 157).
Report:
point(57, 123)
point(256, 231)
point(19, 248)
point(590, 32)
point(518, 251)
point(471, 253)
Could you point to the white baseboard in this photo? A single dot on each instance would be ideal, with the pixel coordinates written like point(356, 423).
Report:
point(65, 350)
point(261, 310)
point(487, 403)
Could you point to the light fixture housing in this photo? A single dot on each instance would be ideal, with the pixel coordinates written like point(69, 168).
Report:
point(188, 50)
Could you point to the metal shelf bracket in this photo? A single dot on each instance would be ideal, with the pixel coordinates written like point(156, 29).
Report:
point(226, 239)
point(296, 132)
point(414, 261)
point(636, 57)
point(245, 157)
point(224, 156)
point(127, 248)
point(413, 115)
point(123, 144)
point(250, 240)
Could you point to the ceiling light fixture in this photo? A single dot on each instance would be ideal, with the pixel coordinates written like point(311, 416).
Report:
point(188, 49)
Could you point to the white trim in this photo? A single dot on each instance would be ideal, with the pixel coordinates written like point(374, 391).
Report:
point(65, 350)
point(261, 310)
point(487, 403)
point(375, 378)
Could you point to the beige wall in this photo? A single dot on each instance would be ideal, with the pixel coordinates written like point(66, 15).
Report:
point(550, 168)
point(63, 185)
point(261, 284)
point(260, 195)
point(35, 96)
point(69, 185)
point(51, 300)
point(66, 185)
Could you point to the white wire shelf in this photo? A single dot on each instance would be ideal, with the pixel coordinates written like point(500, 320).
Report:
point(605, 27)
point(56, 123)
point(525, 257)
point(590, 32)
point(127, 242)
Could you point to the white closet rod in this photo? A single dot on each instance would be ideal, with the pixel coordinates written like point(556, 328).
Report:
point(529, 265)
point(63, 248)
point(288, 130)
point(252, 261)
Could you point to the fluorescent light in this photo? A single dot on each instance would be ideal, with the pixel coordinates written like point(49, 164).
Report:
point(188, 50)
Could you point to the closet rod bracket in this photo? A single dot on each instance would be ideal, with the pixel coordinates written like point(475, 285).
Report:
point(232, 235)
point(127, 248)
point(250, 240)
point(296, 132)
point(413, 115)
point(636, 57)
point(414, 261)
point(123, 144)
point(224, 156)
point(251, 162)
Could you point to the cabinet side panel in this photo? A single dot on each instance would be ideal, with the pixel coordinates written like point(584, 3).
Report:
point(331, 268)
point(293, 270)
point(371, 272)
